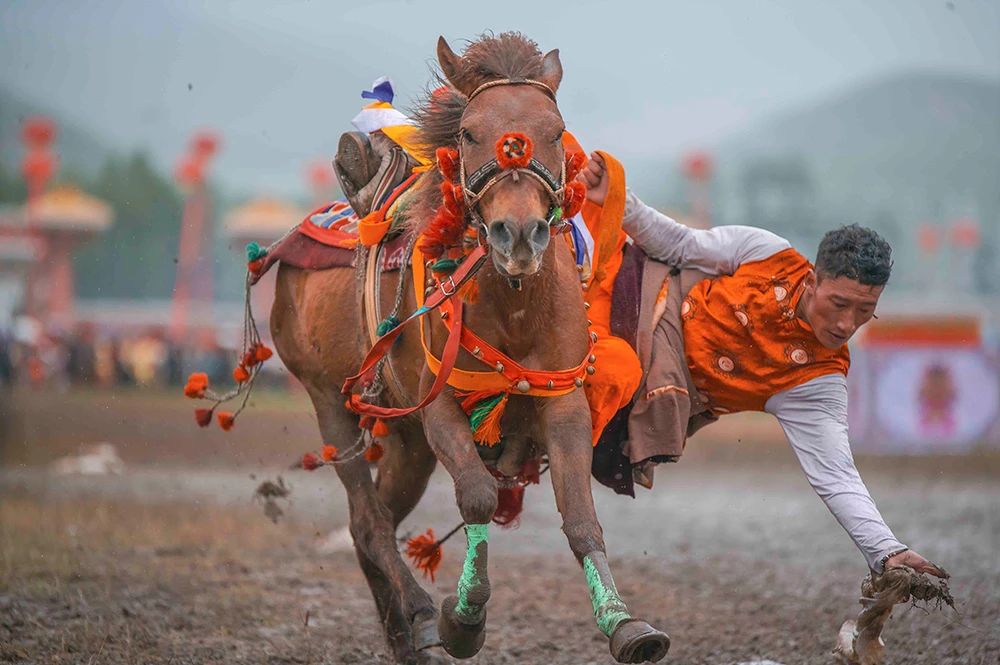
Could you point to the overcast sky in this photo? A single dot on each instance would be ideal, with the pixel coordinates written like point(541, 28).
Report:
point(281, 80)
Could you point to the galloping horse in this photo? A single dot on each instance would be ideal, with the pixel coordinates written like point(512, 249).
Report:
point(529, 307)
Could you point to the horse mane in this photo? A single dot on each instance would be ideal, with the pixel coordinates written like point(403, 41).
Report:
point(438, 115)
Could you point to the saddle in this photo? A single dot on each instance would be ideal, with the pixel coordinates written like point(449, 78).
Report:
point(368, 167)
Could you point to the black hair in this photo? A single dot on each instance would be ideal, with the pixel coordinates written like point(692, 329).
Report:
point(857, 253)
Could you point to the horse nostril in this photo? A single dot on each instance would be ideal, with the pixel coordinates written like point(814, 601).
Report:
point(539, 235)
point(500, 235)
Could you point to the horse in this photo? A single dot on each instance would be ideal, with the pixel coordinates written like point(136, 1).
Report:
point(530, 307)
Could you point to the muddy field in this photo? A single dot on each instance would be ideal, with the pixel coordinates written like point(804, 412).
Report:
point(173, 562)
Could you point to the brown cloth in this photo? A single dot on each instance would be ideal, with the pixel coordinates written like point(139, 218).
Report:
point(666, 408)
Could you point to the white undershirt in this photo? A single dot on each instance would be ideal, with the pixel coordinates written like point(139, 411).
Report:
point(813, 415)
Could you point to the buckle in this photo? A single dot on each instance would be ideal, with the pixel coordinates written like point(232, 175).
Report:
point(444, 290)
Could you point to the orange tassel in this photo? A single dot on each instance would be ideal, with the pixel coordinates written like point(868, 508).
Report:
point(262, 353)
point(329, 453)
point(203, 417)
point(226, 420)
point(425, 552)
point(489, 431)
point(576, 194)
point(240, 374)
point(256, 266)
point(380, 429)
point(196, 385)
point(249, 359)
point(447, 162)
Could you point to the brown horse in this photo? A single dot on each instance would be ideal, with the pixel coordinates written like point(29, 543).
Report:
point(530, 307)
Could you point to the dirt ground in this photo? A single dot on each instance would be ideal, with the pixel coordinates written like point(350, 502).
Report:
point(173, 562)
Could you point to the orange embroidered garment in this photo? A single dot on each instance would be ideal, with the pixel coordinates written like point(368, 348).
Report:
point(743, 341)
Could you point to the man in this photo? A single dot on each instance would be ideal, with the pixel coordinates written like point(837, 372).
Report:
point(764, 331)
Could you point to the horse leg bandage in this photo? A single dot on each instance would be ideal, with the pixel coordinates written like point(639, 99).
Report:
point(474, 584)
point(609, 608)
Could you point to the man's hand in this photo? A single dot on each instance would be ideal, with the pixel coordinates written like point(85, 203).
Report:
point(595, 177)
point(917, 563)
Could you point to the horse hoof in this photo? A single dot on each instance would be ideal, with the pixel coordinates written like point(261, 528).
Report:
point(460, 640)
point(635, 641)
point(425, 633)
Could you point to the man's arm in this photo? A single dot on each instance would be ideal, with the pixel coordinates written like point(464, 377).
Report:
point(716, 251)
point(814, 418)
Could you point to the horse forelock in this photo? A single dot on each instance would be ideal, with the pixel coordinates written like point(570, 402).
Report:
point(438, 116)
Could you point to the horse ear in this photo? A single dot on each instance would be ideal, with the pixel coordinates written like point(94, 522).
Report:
point(451, 65)
point(551, 70)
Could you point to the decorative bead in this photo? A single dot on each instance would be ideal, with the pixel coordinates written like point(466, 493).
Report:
point(500, 367)
point(550, 385)
point(589, 322)
point(523, 386)
point(477, 352)
point(579, 268)
point(578, 381)
point(591, 370)
point(429, 290)
point(592, 358)
point(444, 315)
point(593, 337)
point(586, 305)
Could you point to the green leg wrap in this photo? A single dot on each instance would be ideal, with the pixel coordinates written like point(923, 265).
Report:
point(609, 608)
point(474, 581)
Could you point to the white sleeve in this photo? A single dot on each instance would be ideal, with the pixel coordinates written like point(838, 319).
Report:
point(814, 417)
point(716, 251)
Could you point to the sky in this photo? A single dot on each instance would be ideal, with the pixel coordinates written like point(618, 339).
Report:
point(281, 80)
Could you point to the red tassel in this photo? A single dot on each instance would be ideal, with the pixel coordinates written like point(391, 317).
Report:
point(531, 471)
point(576, 194)
point(256, 266)
point(575, 161)
point(425, 552)
point(329, 454)
point(374, 452)
point(447, 161)
point(262, 353)
point(226, 420)
point(196, 385)
point(203, 417)
point(510, 503)
point(448, 225)
point(310, 462)
point(241, 374)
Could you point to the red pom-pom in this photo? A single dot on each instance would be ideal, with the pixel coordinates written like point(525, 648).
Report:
point(203, 417)
point(241, 374)
point(196, 385)
point(447, 162)
point(425, 552)
point(380, 429)
point(575, 161)
point(256, 266)
point(448, 226)
point(374, 452)
point(262, 353)
point(329, 453)
point(310, 462)
point(514, 151)
point(576, 194)
point(249, 359)
point(226, 420)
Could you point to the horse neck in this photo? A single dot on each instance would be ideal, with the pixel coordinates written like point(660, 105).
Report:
point(549, 304)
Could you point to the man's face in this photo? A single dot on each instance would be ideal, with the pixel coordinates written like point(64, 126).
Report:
point(836, 307)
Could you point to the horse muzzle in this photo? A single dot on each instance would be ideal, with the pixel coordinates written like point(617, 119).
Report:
point(518, 247)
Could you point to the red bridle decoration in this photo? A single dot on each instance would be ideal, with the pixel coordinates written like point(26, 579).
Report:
point(448, 226)
point(576, 191)
point(514, 151)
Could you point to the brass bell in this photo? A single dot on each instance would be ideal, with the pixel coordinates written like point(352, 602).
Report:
point(591, 370)
point(593, 337)
point(550, 385)
point(500, 367)
point(578, 381)
point(523, 385)
point(592, 358)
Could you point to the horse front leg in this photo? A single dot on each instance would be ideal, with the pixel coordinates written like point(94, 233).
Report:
point(462, 621)
point(566, 431)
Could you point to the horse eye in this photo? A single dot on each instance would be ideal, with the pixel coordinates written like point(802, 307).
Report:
point(467, 136)
point(559, 136)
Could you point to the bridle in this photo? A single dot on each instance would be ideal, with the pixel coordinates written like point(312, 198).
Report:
point(476, 184)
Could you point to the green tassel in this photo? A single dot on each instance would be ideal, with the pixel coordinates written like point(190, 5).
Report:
point(483, 409)
point(254, 252)
point(445, 265)
point(388, 324)
point(557, 214)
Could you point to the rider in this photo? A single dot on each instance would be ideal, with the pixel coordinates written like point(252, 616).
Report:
point(768, 331)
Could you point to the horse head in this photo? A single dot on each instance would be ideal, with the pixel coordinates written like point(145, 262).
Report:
point(511, 159)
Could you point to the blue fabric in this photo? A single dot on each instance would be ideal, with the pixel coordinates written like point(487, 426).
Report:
point(382, 92)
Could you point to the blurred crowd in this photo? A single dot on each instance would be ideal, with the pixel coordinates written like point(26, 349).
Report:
point(84, 356)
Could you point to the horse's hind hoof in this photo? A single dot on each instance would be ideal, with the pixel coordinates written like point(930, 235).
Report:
point(460, 640)
point(425, 632)
point(635, 641)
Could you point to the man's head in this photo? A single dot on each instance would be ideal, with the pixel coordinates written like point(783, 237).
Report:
point(852, 267)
